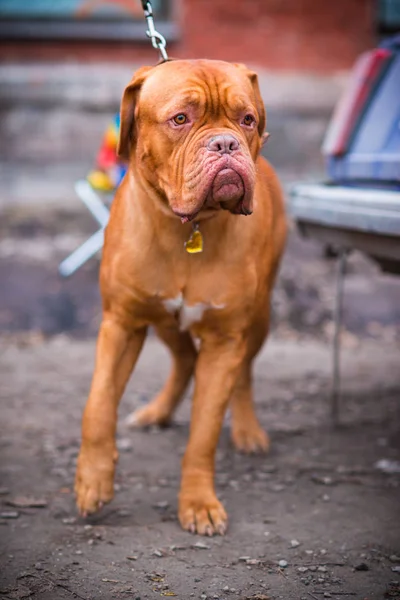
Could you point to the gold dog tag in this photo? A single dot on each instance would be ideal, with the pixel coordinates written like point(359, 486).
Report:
point(195, 242)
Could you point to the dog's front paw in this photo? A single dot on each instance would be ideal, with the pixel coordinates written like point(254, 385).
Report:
point(94, 481)
point(249, 438)
point(202, 513)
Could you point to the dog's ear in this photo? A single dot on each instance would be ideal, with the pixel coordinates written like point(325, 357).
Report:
point(259, 103)
point(128, 113)
point(262, 117)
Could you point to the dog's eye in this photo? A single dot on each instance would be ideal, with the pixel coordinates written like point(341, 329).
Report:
point(180, 119)
point(248, 120)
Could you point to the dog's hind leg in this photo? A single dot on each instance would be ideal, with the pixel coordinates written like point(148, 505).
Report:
point(246, 432)
point(159, 411)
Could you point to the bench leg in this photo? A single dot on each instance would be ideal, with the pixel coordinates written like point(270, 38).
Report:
point(79, 256)
point(338, 313)
point(93, 203)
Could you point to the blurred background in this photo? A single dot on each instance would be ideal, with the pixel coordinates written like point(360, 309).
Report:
point(62, 72)
point(318, 514)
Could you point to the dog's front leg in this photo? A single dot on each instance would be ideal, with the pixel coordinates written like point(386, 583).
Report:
point(117, 352)
point(217, 368)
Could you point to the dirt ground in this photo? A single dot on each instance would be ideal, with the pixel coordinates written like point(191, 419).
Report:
point(316, 518)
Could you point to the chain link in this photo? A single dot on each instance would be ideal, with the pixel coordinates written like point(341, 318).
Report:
point(158, 41)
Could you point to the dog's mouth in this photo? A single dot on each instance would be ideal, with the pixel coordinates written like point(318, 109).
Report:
point(227, 187)
point(226, 184)
point(229, 192)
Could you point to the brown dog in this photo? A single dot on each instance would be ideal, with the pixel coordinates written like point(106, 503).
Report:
point(192, 132)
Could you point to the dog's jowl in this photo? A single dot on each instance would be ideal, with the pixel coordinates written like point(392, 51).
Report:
point(194, 240)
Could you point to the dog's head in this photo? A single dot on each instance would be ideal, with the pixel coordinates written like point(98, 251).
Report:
point(193, 130)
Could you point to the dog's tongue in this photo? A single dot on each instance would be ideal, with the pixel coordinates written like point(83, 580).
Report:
point(227, 185)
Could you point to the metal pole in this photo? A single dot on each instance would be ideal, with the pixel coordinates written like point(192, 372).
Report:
point(338, 313)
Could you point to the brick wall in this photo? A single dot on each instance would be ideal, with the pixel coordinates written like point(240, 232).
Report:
point(321, 36)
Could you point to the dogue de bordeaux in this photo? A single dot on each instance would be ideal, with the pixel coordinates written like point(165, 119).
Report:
point(196, 232)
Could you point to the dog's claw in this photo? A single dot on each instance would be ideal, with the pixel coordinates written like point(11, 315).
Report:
point(221, 529)
point(204, 518)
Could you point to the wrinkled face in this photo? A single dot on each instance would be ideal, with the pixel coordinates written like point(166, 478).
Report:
point(193, 130)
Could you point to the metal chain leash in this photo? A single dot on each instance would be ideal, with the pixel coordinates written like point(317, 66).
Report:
point(158, 41)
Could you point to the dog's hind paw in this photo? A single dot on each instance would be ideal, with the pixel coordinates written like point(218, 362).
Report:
point(250, 440)
point(149, 415)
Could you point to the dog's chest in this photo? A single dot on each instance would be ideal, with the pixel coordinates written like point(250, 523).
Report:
point(188, 314)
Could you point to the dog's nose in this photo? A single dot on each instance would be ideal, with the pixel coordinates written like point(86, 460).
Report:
point(223, 144)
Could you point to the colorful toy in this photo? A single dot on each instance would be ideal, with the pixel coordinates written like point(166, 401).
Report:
point(109, 170)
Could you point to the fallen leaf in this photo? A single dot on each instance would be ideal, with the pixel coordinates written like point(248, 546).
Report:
point(9, 514)
point(27, 502)
point(388, 466)
point(200, 546)
point(322, 480)
point(393, 590)
point(160, 552)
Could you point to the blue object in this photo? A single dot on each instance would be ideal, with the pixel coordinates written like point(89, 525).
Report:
point(373, 154)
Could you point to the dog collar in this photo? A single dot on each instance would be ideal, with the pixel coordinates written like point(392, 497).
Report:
point(194, 245)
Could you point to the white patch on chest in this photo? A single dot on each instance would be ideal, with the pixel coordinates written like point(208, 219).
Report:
point(191, 314)
point(173, 305)
point(188, 314)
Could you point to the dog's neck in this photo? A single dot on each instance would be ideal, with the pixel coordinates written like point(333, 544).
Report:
point(145, 205)
point(163, 216)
